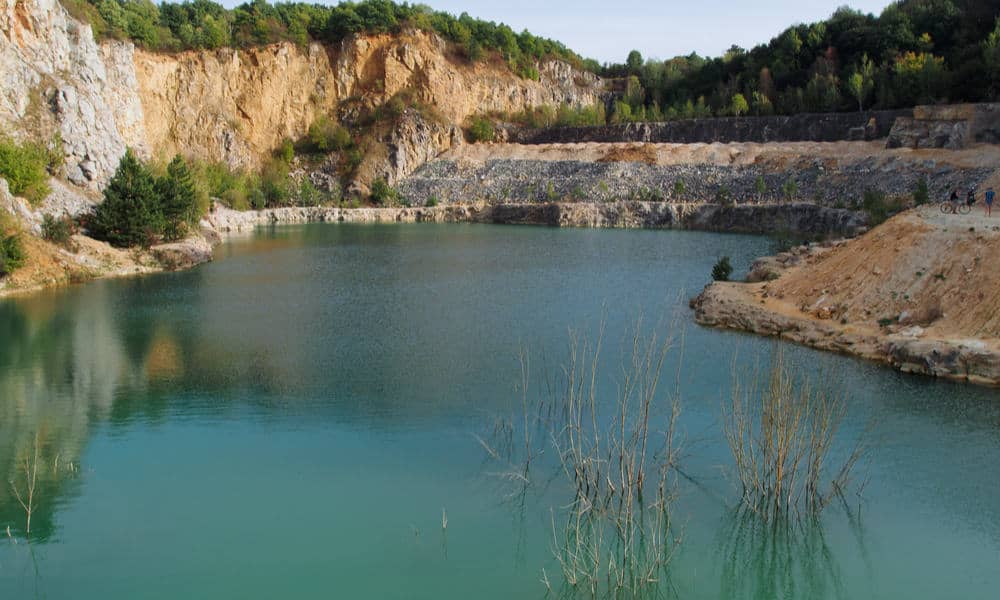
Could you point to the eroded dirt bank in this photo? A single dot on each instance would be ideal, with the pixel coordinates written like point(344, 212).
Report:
point(921, 293)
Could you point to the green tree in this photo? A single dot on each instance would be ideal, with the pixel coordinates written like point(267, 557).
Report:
point(722, 269)
point(991, 56)
point(921, 195)
point(130, 213)
point(789, 189)
point(861, 82)
point(634, 62)
point(760, 186)
point(738, 105)
point(679, 189)
point(176, 194)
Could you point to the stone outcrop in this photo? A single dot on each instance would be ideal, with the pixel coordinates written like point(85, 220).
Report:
point(803, 219)
point(949, 126)
point(237, 106)
point(823, 127)
point(719, 305)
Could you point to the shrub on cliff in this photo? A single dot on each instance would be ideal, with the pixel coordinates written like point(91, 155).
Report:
point(12, 255)
point(722, 269)
point(24, 167)
point(325, 135)
point(879, 207)
point(58, 230)
point(481, 130)
point(921, 195)
point(382, 193)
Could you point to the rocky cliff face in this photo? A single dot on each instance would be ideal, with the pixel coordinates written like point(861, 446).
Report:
point(55, 79)
point(237, 106)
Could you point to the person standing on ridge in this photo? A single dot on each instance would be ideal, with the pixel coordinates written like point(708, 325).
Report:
point(990, 196)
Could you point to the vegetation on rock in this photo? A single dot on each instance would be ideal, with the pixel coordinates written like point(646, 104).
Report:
point(24, 166)
point(12, 255)
point(205, 24)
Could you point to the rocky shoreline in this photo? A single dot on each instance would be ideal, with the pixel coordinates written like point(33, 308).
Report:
point(799, 219)
point(739, 307)
point(884, 308)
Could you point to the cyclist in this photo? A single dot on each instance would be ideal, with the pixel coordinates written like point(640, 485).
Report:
point(970, 198)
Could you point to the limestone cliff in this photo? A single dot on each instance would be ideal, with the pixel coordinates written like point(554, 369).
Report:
point(55, 79)
point(237, 106)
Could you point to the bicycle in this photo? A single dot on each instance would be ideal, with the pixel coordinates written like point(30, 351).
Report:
point(955, 207)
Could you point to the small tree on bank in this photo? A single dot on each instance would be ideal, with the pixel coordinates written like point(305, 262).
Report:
point(176, 198)
point(722, 270)
point(138, 207)
point(130, 214)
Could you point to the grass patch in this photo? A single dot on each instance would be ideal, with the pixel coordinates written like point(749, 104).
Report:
point(25, 167)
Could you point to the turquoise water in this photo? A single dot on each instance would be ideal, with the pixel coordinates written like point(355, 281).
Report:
point(291, 420)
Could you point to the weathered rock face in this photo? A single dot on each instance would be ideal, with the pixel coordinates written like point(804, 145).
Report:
point(950, 126)
point(807, 219)
point(827, 127)
point(54, 79)
point(237, 106)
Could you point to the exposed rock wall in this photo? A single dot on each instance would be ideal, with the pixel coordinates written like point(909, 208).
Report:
point(237, 106)
point(950, 126)
point(54, 79)
point(828, 127)
point(804, 219)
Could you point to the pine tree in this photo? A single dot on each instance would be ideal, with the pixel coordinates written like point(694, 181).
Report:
point(177, 198)
point(130, 214)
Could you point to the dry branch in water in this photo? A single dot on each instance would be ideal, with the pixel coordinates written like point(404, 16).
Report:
point(616, 453)
point(780, 433)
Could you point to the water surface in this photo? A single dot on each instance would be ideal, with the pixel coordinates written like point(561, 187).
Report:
point(290, 421)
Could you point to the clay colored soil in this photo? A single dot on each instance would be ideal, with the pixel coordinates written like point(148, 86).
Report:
point(921, 291)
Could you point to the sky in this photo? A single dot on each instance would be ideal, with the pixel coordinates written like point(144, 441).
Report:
point(607, 30)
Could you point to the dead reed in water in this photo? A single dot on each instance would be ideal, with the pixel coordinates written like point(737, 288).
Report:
point(616, 453)
point(781, 433)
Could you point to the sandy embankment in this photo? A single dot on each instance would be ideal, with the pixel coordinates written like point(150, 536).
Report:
point(920, 292)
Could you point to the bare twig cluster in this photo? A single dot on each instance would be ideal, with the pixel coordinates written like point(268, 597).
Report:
point(781, 433)
point(26, 497)
point(616, 535)
point(615, 452)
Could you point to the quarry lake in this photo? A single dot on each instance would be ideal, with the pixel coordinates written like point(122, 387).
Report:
point(301, 417)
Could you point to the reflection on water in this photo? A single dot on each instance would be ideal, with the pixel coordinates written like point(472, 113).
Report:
point(787, 557)
point(321, 383)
